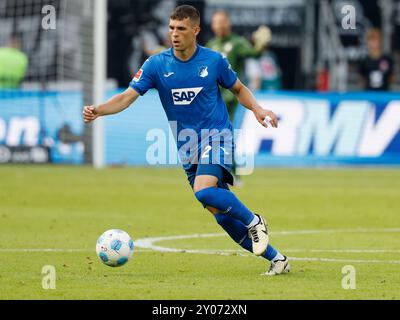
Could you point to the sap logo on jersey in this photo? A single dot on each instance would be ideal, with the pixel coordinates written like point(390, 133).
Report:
point(185, 96)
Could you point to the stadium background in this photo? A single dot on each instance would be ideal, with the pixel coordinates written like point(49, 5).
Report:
point(45, 113)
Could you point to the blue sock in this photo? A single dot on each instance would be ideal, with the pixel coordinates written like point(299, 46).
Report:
point(226, 202)
point(238, 232)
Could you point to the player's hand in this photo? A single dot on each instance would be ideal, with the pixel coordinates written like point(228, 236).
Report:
point(266, 117)
point(89, 114)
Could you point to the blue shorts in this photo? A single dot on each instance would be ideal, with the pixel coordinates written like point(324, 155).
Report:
point(213, 159)
point(223, 174)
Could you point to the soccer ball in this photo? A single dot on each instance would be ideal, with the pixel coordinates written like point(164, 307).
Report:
point(114, 247)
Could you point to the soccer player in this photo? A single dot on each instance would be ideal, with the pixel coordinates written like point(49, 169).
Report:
point(187, 77)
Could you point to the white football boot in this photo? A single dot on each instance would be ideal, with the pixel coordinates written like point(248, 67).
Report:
point(278, 267)
point(259, 237)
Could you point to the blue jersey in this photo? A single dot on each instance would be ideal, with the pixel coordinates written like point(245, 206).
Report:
point(189, 90)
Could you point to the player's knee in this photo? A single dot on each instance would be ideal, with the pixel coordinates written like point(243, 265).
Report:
point(213, 210)
point(206, 196)
point(201, 184)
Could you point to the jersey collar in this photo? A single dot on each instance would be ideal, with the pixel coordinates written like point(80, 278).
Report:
point(191, 58)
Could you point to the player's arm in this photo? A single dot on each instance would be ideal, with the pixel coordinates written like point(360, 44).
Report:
point(116, 104)
point(247, 99)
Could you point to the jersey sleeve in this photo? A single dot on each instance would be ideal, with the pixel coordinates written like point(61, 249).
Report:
point(226, 76)
point(144, 79)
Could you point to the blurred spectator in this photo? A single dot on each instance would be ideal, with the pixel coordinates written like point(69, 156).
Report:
point(376, 70)
point(235, 48)
point(13, 64)
point(264, 73)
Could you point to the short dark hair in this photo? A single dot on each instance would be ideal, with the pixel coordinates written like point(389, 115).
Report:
point(185, 11)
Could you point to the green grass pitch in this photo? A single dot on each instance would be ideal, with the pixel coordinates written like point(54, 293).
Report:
point(333, 218)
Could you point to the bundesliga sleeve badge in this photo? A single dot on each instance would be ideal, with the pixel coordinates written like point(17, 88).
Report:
point(138, 75)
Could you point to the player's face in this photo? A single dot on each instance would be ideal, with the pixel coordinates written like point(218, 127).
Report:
point(182, 34)
point(220, 25)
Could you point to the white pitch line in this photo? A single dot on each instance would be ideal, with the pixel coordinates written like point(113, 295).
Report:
point(344, 250)
point(146, 244)
point(356, 230)
point(344, 260)
point(216, 251)
point(149, 243)
point(308, 250)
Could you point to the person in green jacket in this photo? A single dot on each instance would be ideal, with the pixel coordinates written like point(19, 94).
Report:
point(13, 65)
point(235, 48)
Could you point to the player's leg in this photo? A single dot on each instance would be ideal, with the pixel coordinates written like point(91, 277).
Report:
point(239, 233)
point(222, 199)
point(207, 192)
point(236, 229)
